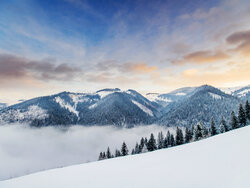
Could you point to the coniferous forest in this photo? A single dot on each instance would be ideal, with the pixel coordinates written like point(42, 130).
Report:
point(190, 134)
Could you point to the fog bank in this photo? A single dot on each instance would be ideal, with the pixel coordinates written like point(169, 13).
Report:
point(24, 150)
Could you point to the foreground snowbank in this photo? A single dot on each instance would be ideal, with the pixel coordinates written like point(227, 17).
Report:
point(219, 161)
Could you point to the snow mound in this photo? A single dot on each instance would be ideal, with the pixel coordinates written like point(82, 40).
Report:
point(219, 161)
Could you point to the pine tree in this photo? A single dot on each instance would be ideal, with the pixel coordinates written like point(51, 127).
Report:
point(117, 153)
point(165, 143)
point(247, 111)
point(124, 149)
point(188, 135)
point(198, 131)
point(213, 127)
point(172, 140)
point(179, 137)
point(223, 125)
point(242, 116)
point(103, 155)
point(137, 149)
point(108, 153)
point(142, 143)
point(144, 149)
point(151, 143)
point(100, 156)
point(234, 122)
point(133, 152)
point(168, 138)
point(160, 140)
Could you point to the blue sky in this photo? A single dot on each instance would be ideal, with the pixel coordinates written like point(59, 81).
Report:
point(156, 46)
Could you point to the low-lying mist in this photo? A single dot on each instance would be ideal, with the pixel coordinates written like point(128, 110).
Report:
point(24, 150)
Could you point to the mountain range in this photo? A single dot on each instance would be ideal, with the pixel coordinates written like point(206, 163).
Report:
point(182, 107)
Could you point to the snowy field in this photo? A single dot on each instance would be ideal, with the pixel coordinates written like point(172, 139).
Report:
point(221, 161)
point(25, 150)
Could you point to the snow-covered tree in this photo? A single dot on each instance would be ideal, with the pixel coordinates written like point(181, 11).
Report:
point(234, 122)
point(198, 131)
point(247, 111)
point(124, 149)
point(213, 128)
point(117, 153)
point(223, 125)
point(179, 139)
point(242, 116)
point(188, 135)
point(100, 156)
point(160, 140)
point(108, 153)
point(137, 149)
point(172, 140)
point(151, 143)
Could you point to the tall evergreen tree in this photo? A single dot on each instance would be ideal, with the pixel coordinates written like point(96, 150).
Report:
point(100, 156)
point(188, 135)
point(152, 143)
point(108, 153)
point(234, 122)
point(179, 136)
point(198, 131)
point(223, 125)
point(165, 143)
point(247, 111)
point(242, 116)
point(133, 151)
point(160, 140)
point(168, 138)
point(213, 127)
point(142, 143)
point(172, 140)
point(124, 149)
point(117, 153)
point(137, 149)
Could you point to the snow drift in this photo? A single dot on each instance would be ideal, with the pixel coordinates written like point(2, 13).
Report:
point(219, 161)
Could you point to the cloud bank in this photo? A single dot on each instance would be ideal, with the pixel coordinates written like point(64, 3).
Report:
point(25, 150)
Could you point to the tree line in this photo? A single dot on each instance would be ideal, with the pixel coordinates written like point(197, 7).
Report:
point(191, 134)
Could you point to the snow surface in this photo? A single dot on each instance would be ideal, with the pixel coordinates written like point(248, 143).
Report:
point(243, 93)
point(154, 97)
point(66, 105)
point(143, 108)
point(215, 96)
point(180, 94)
point(216, 162)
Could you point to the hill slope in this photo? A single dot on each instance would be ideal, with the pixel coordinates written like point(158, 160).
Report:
point(219, 161)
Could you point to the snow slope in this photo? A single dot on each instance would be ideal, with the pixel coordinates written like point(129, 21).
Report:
point(219, 161)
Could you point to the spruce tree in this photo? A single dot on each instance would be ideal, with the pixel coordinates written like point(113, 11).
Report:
point(142, 143)
point(188, 135)
point(172, 140)
point(234, 122)
point(179, 136)
point(198, 131)
point(160, 140)
point(247, 111)
point(151, 143)
point(133, 152)
point(108, 153)
point(144, 149)
point(223, 125)
point(124, 149)
point(100, 156)
point(168, 138)
point(242, 116)
point(137, 149)
point(117, 153)
point(213, 127)
point(165, 143)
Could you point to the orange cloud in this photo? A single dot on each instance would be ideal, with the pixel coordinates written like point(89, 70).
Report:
point(139, 67)
point(201, 57)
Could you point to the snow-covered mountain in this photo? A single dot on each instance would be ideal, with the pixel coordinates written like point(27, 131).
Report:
point(3, 105)
point(182, 107)
point(107, 106)
point(219, 161)
point(199, 104)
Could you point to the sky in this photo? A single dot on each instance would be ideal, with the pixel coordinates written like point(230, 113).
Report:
point(49, 46)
